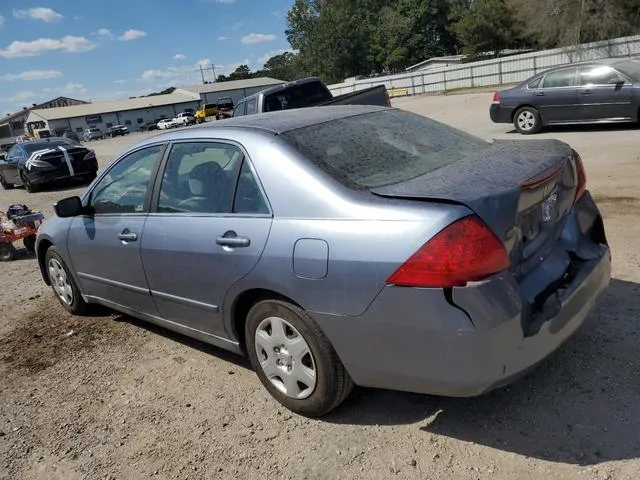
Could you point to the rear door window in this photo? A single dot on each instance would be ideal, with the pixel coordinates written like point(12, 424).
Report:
point(239, 111)
point(559, 79)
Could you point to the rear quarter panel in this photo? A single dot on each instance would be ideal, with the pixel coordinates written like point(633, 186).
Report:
point(367, 237)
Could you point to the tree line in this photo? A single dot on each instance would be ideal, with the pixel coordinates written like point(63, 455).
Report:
point(337, 39)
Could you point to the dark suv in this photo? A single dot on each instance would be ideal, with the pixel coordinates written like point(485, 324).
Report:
point(117, 130)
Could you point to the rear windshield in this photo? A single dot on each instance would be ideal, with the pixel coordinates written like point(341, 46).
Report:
point(297, 96)
point(31, 147)
point(382, 148)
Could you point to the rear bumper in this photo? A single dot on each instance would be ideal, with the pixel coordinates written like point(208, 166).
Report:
point(37, 176)
point(500, 114)
point(415, 340)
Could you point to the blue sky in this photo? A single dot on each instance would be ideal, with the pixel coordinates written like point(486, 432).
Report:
point(106, 49)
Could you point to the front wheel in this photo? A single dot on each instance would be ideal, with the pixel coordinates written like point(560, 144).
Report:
point(527, 121)
point(294, 360)
point(63, 284)
point(28, 185)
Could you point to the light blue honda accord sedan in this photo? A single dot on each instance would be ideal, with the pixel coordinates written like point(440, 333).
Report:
point(340, 246)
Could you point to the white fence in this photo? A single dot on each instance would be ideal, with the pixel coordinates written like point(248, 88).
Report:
point(497, 71)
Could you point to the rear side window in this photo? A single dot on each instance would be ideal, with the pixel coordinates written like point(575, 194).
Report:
point(239, 111)
point(297, 96)
point(561, 78)
point(535, 83)
point(382, 148)
point(251, 106)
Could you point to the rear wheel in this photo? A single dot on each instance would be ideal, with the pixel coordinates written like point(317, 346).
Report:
point(26, 182)
point(294, 360)
point(527, 121)
point(7, 252)
point(63, 284)
point(5, 185)
point(30, 243)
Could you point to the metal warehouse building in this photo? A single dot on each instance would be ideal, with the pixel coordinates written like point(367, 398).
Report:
point(133, 113)
point(136, 112)
point(236, 89)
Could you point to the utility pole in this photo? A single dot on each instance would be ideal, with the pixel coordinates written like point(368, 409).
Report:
point(211, 67)
point(202, 74)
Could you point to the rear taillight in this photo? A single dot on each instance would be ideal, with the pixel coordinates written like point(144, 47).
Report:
point(465, 251)
point(496, 97)
point(582, 176)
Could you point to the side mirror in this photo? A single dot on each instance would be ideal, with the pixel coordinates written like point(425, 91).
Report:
point(616, 81)
point(69, 207)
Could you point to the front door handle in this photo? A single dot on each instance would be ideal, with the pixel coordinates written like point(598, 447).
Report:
point(127, 236)
point(231, 239)
point(539, 94)
point(586, 92)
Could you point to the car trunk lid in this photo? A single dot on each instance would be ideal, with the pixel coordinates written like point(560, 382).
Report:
point(521, 189)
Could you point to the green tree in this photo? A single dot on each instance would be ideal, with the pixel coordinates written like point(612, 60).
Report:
point(283, 67)
point(241, 73)
point(484, 26)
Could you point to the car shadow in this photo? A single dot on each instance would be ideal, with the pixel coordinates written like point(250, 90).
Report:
point(581, 406)
point(591, 127)
point(235, 359)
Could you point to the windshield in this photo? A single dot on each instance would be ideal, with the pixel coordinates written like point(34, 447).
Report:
point(630, 68)
point(297, 96)
point(382, 148)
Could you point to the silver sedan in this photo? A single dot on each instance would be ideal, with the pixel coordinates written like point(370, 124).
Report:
point(339, 246)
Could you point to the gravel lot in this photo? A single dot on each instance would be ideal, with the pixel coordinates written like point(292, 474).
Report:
point(121, 399)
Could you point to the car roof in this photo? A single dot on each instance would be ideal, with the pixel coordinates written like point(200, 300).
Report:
point(603, 61)
point(286, 120)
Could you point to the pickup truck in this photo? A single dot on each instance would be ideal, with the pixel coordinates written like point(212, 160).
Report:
point(307, 92)
point(185, 118)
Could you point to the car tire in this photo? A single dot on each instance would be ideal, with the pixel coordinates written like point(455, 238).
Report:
point(4, 184)
point(294, 360)
point(26, 183)
point(63, 284)
point(7, 252)
point(30, 243)
point(527, 121)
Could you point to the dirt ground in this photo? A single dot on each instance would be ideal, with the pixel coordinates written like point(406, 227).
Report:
point(109, 397)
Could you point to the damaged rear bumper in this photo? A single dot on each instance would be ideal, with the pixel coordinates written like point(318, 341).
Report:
point(473, 339)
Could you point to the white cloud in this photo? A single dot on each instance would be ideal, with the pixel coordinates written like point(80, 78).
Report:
point(179, 56)
point(32, 75)
point(254, 38)
point(104, 32)
point(205, 62)
point(39, 13)
point(222, 38)
point(186, 74)
point(68, 44)
point(132, 34)
point(68, 89)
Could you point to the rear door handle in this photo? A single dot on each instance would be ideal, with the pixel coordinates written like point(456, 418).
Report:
point(539, 94)
point(231, 239)
point(127, 236)
point(586, 92)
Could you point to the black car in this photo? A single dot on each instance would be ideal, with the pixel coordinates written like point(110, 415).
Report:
point(117, 130)
point(601, 91)
point(36, 163)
